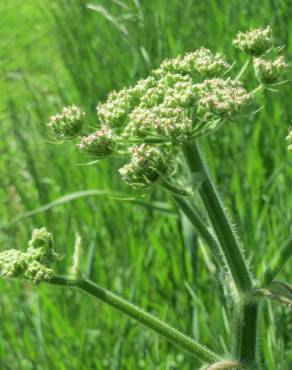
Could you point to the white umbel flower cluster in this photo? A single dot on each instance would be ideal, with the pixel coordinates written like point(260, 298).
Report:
point(157, 110)
point(171, 90)
point(225, 98)
point(254, 42)
point(35, 263)
point(68, 123)
point(148, 164)
point(159, 121)
point(201, 61)
point(119, 104)
point(185, 98)
point(100, 144)
point(269, 71)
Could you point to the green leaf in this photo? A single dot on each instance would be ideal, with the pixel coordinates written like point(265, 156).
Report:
point(278, 291)
point(108, 195)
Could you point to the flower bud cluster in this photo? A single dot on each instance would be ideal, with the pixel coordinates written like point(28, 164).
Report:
point(269, 71)
point(183, 99)
point(37, 272)
point(34, 264)
point(171, 90)
point(41, 246)
point(225, 98)
point(147, 165)
point(159, 121)
point(201, 61)
point(254, 42)
point(12, 263)
point(68, 123)
point(206, 63)
point(289, 140)
point(100, 144)
point(114, 112)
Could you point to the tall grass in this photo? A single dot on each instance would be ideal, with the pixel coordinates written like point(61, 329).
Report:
point(75, 51)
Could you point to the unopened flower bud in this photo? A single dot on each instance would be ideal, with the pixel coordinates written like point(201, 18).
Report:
point(41, 246)
point(146, 166)
point(269, 71)
point(41, 238)
point(68, 123)
point(12, 263)
point(166, 122)
point(225, 98)
point(255, 41)
point(114, 111)
point(206, 63)
point(172, 90)
point(37, 272)
point(173, 65)
point(201, 61)
point(180, 91)
point(99, 144)
point(34, 264)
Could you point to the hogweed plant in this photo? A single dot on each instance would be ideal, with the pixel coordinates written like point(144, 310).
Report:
point(153, 124)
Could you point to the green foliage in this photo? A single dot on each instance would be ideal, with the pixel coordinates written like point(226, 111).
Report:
point(64, 51)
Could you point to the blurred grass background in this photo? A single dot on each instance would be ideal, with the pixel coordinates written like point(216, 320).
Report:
point(75, 51)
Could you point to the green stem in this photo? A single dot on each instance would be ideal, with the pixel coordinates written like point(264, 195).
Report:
point(148, 140)
point(164, 330)
point(229, 245)
point(175, 190)
point(243, 69)
point(245, 333)
point(199, 226)
point(277, 263)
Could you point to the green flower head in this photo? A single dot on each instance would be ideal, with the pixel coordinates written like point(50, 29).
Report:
point(225, 98)
point(147, 165)
point(159, 121)
point(35, 263)
point(67, 124)
point(201, 61)
point(269, 71)
point(100, 144)
point(254, 42)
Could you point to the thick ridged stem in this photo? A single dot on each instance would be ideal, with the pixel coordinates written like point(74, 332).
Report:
point(277, 263)
point(164, 330)
point(244, 344)
point(229, 245)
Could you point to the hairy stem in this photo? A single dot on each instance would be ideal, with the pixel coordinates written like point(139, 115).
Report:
point(173, 188)
point(164, 330)
point(229, 245)
point(245, 333)
point(193, 216)
point(277, 263)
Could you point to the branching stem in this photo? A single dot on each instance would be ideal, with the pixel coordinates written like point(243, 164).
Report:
point(164, 330)
point(229, 245)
